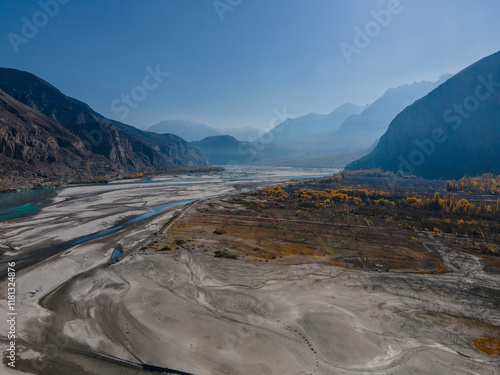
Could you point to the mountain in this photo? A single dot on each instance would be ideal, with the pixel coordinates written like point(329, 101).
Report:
point(188, 130)
point(359, 132)
point(225, 150)
point(451, 132)
point(302, 135)
point(328, 161)
point(242, 134)
point(195, 131)
point(348, 128)
point(35, 148)
point(113, 146)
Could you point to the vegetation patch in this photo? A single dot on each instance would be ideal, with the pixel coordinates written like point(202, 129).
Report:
point(368, 220)
point(489, 345)
point(224, 254)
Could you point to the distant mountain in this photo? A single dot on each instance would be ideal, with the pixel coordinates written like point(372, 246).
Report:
point(326, 161)
point(359, 132)
point(227, 150)
point(114, 146)
point(451, 132)
point(224, 150)
point(195, 131)
point(188, 130)
point(348, 128)
point(302, 135)
point(246, 133)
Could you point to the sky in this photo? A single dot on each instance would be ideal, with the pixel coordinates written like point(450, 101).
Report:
point(236, 63)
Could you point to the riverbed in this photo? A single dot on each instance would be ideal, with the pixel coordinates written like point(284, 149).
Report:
point(76, 214)
point(84, 308)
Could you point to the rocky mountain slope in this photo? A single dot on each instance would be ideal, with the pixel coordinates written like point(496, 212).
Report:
point(114, 146)
point(35, 149)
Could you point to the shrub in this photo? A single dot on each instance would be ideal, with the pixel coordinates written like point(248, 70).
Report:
point(224, 254)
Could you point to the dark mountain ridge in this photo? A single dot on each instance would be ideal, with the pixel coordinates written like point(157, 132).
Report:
point(451, 132)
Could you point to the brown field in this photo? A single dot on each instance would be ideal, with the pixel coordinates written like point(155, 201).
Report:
point(218, 225)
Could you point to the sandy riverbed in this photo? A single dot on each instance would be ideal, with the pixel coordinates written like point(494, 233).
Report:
point(188, 311)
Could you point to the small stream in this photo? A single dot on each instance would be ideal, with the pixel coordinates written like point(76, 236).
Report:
point(152, 211)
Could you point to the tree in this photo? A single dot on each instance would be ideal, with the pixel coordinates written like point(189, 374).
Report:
point(483, 207)
point(437, 203)
point(462, 206)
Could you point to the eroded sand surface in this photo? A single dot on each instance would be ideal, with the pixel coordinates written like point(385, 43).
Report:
point(202, 315)
point(188, 311)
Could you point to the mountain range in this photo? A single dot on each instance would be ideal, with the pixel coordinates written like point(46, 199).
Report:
point(301, 136)
point(195, 131)
point(443, 129)
point(340, 137)
point(451, 132)
point(348, 128)
point(360, 132)
point(81, 144)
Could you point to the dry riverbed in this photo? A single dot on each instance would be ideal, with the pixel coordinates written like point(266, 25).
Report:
point(170, 305)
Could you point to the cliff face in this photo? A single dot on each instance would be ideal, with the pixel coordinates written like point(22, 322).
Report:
point(451, 132)
point(36, 150)
point(39, 123)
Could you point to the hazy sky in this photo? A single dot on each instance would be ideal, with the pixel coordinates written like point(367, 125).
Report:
point(235, 65)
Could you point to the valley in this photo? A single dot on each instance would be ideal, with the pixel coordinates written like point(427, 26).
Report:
point(243, 284)
point(229, 187)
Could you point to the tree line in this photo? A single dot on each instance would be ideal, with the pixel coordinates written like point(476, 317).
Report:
point(485, 184)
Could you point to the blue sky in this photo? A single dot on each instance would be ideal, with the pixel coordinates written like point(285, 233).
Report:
point(236, 67)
